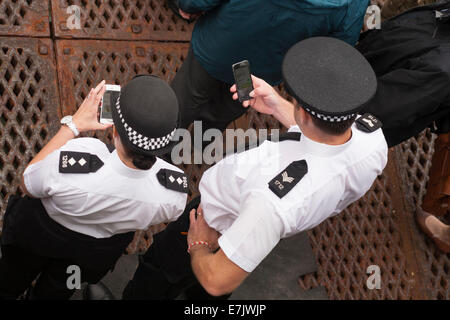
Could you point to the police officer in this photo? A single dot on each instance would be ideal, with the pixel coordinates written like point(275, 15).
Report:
point(84, 203)
point(251, 200)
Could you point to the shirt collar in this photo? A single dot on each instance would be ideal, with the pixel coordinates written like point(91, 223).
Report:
point(120, 167)
point(320, 149)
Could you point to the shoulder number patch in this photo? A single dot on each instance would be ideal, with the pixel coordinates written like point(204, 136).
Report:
point(78, 162)
point(368, 123)
point(283, 183)
point(173, 180)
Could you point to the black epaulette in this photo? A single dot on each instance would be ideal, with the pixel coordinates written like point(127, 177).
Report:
point(283, 183)
point(173, 180)
point(110, 147)
point(292, 136)
point(368, 123)
point(78, 162)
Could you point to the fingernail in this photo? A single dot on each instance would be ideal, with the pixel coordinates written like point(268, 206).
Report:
point(252, 94)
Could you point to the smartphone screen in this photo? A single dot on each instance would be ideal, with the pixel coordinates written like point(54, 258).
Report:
point(109, 101)
point(243, 79)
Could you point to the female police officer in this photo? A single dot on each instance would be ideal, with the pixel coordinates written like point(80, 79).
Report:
point(84, 202)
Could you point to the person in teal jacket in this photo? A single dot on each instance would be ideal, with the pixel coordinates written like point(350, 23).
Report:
point(260, 31)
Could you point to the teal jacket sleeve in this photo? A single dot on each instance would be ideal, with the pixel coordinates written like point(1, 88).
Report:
point(350, 27)
point(195, 6)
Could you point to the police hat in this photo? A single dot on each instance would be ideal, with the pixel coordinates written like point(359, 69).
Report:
point(329, 78)
point(146, 115)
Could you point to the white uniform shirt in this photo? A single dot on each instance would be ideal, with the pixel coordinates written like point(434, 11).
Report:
point(252, 219)
point(115, 199)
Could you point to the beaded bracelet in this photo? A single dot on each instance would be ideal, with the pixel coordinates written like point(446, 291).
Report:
point(196, 243)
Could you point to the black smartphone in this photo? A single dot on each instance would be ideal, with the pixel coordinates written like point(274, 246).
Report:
point(243, 80)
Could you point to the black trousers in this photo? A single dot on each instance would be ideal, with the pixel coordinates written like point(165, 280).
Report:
point(20, 267)
point(36, 247)
point(164, 271)
point(202, 97)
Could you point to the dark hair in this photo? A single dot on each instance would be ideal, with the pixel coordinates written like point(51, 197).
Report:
point(333, 128)
point(140, 161)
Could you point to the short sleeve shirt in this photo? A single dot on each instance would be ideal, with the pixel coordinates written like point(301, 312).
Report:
point(115, 199)
point(238, 203)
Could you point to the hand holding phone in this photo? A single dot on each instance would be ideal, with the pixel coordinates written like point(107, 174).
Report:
point(86, 117)
point(108, 101)
point(243, 80)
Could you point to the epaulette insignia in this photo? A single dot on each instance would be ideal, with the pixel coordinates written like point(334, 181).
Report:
point(78, 162)
point(173, 180)
point(283, 183)
point(368, 123)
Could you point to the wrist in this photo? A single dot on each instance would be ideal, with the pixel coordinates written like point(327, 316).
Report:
point(278, 110)
point(67, 122)
point(67, 132)
point(284, 112)
point(77, 124)
point(197, 245)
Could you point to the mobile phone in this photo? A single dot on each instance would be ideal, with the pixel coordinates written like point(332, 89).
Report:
point(108, 102)
point(243, 79)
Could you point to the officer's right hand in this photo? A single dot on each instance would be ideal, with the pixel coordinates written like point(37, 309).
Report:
point(200, 231)
point(86, 117)
point(265, 98)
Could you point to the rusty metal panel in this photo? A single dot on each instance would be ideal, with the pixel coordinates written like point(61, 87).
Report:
point(28, 100)
point(24, 18)
point(84, 63)
point(367, 233)
point(416, 155)
point(124, 19)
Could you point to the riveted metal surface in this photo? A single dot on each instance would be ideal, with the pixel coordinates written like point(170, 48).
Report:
point(24, 17)
point(84, 63)
point(121, 19)
point(416, 155)
point(370, 232)
point(28, 96)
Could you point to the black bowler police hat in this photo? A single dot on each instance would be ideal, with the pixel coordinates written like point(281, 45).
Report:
point(329, 78)
point(146, 115)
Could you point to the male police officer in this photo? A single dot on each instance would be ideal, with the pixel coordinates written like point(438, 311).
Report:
point(88, 200)
point(253, 199)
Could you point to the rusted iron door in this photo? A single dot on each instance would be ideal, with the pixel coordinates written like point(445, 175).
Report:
point(124, 20)
point(28, 97)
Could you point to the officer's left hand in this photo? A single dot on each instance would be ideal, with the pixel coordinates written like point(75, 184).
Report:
point(86, 117)
point(200, 231)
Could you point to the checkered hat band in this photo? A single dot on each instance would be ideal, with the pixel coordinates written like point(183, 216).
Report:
point(140, 140)
point(330, 118)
